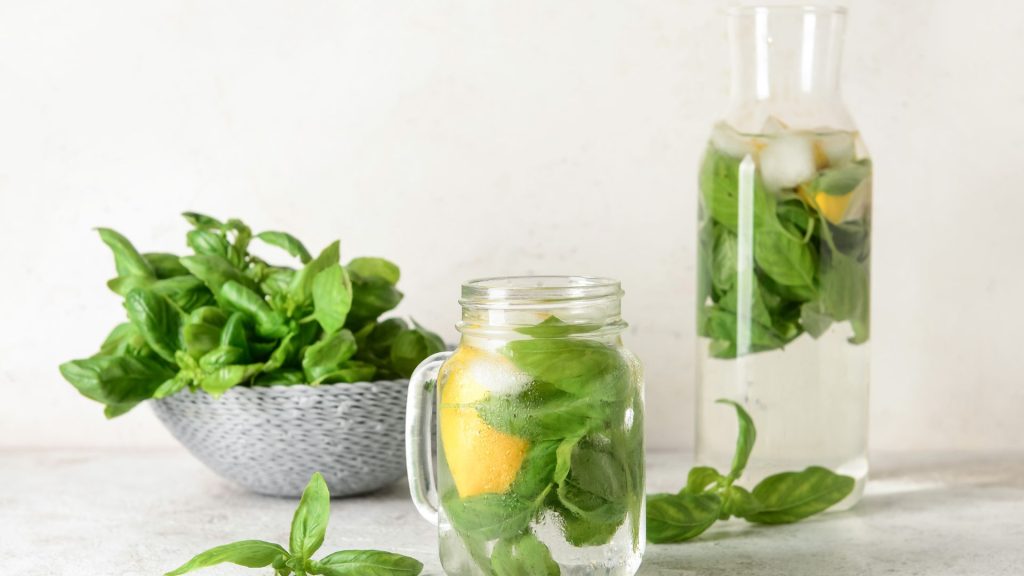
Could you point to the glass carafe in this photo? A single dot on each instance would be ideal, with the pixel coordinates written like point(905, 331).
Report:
point(784, 253)
point(540, 463)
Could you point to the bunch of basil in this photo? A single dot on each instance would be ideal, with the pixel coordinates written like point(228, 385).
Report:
point(584, 463)
point(808, 272)
point(224, 317)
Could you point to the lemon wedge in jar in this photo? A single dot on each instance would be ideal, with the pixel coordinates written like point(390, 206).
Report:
point(482, 460)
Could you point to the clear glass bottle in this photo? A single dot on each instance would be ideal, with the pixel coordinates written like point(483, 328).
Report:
point(540, 467)
point(784, 253)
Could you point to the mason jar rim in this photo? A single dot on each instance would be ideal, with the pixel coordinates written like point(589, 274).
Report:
point(536, 289)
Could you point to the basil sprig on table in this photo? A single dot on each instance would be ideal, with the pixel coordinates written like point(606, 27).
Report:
point(223, 317)
point(808, 272)
point(710, 496)
point(583, 463)
point(309, 526)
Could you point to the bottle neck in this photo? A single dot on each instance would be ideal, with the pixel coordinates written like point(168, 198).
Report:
point(785, 64)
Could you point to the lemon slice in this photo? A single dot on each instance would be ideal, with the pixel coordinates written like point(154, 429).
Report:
point(481, 460)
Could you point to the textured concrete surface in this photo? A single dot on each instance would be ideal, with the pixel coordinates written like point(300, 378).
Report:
point(91, 513)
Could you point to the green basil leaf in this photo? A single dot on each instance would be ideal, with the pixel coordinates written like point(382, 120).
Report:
point(327, 355)
point(700, 478)
point(787, 260)
point(269, 323)
point(349, 371)
point(309, 524)
point(490, 516)
point(301, 289)
point(680, 517)
point(792, 496)
point(332, 298)
point(367, 563)
point(208, 243)
point(579, 367)
point(283, 377)
point(158, 320)
point(221, 356)
point(277, 281)
point(744, 440)
point(814, 318)
point(223, 378)
point(375, 268)
point(595, 488)
point(186, 292)
point(541, 413)
point(841, 180)
point(535, 475)
point(371, 297)
point(127, 259)
point(523, 556)
point(234, 333)
point(200, 339)
point(215, 272)
point(202, 221)
point(165, 265)
point(554, 327)
point(739, 502)
point(288, 243)
point(124, 340)
point(248, 553)
point(116, 379)
point(724, 260)
point(172, 386)
point(412, 347)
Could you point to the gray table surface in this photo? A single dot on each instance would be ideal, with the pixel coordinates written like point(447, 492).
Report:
point(129, 513)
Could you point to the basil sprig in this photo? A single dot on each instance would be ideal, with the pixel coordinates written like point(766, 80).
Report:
point(224, 317)
point(309, 526)
point(710, 496)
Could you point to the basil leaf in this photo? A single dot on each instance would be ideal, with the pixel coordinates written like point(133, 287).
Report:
point(367, 563)
point(579, 367)
point(523, 556)
point(112, 380)
point(199, 339)
point(158, 321)
point(554, 327)
point(284, 377)
point(739, 502)
point(792, 496)
point(127, 259)
point(700, 478)
point(234, 334)
point(375, 268)
point(208, 243)
point(165, 265)
point(580, 531)
point(814, 318)
point(680, 517)
point(490, 516)
point(301, 289)
point(349, 371)
point(287, 242)
point(309, 524)
point(327, 355)
point(269, 322)
point(248, 553)
point(371, 297)
point(786, 259)
point(744, 440)
point(535, 475)
point(412, 347)
point(842, 180)
point(187, 292)
point(124, 340)
point(215, 272)
point(221, 379)
point(202, 221)
point(332, 298)
point(540, 413)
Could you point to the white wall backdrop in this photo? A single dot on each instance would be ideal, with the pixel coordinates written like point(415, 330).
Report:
point(486, 137)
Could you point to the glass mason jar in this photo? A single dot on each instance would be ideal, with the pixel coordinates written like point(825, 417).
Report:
point(784, 253)
point(540, 468)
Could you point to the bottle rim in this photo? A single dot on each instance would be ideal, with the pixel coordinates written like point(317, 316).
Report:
point(752, 8)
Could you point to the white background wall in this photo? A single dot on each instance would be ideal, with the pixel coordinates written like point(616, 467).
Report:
point(484, 137)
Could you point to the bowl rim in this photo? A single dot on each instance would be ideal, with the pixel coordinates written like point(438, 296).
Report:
point(297, 388)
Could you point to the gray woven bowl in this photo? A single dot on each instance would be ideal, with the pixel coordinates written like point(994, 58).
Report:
point(272, 439)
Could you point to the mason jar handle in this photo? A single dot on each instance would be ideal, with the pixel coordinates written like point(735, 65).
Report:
point(419, 453)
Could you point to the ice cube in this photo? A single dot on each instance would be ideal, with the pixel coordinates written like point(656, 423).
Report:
point(838, 147)
point(773, 127)
point(787, 161)
point(499, 376)
point(728, 141)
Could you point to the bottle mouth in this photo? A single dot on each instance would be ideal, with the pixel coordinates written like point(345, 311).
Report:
point(536, 291)
point(752, 8)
